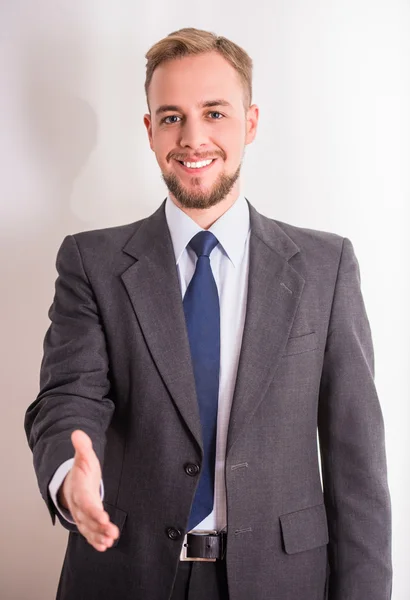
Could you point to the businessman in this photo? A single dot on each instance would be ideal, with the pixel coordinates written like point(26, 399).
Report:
point(191, 360)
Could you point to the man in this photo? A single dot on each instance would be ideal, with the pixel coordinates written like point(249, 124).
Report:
point(191, 359)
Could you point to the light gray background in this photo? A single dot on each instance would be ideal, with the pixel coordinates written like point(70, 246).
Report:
point(332, 80)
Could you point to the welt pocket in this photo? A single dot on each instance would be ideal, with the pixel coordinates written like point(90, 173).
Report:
point(304, 529)
point(117, 516)
point(301, 343)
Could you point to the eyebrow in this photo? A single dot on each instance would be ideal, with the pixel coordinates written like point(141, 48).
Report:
point(208, 104)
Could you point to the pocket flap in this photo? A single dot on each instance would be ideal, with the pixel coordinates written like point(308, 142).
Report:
point(301, 343)
point(304, 529)
point(117, 516)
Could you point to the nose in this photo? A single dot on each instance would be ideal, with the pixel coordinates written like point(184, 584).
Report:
point(193, 135)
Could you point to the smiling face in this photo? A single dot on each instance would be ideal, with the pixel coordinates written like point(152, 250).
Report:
point(198, 115)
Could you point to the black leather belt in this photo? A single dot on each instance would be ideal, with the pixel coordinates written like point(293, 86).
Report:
point(204, 545)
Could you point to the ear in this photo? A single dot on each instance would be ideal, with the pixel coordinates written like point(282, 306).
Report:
point(148, 125)
point(252, 118)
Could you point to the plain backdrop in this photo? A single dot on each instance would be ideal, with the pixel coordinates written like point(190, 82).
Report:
point(332, 80)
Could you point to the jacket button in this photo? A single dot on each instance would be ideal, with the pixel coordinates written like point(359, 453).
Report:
point(191, 469)
point(173, 534)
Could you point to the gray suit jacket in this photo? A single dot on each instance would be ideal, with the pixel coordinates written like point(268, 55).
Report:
point(117, 365)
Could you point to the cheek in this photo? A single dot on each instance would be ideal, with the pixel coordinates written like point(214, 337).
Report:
point(232, 135)
point(162, 146)
point(163, 139)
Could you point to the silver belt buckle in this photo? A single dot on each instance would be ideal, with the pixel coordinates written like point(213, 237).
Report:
point(183, 555)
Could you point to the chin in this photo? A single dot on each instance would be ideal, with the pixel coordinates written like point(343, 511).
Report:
point(198, 196)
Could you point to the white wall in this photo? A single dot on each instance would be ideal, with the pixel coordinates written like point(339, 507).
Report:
point(332, 80)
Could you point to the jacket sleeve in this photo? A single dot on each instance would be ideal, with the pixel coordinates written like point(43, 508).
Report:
point(352, 446)
point(74, 384)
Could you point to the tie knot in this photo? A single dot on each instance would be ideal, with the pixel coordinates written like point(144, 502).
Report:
point(203, 243)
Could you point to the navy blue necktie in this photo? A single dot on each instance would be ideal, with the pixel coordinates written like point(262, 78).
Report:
point(201, 308)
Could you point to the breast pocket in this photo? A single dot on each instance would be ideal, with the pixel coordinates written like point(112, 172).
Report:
point(301, 343)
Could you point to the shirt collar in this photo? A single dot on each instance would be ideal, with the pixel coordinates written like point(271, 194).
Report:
point(231, 229)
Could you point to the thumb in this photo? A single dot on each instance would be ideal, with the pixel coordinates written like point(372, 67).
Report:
point(82, 443)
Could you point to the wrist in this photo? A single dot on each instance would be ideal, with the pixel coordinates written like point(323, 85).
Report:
point(61, 498)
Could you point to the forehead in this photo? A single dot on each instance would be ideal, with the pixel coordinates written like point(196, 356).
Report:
point(192, 79)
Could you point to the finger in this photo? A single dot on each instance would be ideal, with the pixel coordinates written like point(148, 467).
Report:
point(92, 537)
point(93, 525)
point(112, 531)
point(100, 547)
point(109, 529)
point(98, 541)
point(105, 540)
point(97, 537)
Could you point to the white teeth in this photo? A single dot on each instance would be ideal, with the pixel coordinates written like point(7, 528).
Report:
point(197, 165)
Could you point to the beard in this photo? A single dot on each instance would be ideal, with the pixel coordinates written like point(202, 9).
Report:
point(199, 198)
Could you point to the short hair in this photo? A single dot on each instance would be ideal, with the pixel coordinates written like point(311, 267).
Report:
point(190, 42)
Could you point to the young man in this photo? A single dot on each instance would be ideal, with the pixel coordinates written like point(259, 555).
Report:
point(191, 359)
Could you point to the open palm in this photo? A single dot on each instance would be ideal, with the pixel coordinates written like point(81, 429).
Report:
point(80, 494)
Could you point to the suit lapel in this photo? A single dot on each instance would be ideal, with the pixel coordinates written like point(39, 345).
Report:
point(274, 292)
point(154, 290)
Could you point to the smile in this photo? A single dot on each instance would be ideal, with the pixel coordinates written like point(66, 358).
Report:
point(200, 166)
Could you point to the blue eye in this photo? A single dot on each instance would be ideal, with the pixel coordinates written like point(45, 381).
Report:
point(171, 119)
point(165, 120)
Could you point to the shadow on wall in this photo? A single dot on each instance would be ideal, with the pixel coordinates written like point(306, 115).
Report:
point(61, 131)
point(64, 130)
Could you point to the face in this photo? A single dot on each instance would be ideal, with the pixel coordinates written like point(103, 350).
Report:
point(198, 128)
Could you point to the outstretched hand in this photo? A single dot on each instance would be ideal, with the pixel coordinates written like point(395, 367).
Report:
point(80, 494)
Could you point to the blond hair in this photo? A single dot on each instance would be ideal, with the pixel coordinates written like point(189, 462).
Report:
point(190, 41)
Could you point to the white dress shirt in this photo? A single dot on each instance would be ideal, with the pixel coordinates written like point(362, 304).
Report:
point(230, 267)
